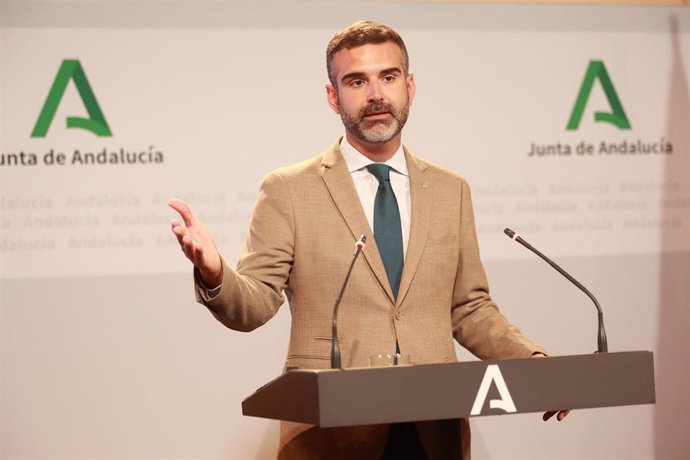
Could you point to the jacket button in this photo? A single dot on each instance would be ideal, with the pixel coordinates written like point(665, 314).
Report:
point(397, 316)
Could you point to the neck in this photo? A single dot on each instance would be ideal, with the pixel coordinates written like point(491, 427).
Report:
point(375, 152)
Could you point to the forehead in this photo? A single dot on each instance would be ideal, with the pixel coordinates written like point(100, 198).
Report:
point(369, 58)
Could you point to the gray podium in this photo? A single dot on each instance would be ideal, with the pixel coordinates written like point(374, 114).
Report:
point(362, 396)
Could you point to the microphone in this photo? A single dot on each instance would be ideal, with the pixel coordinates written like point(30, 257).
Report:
point(602, 345)
point(335, 348)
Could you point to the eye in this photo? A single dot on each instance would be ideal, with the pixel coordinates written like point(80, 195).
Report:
point(389, 78)
point(356, 83)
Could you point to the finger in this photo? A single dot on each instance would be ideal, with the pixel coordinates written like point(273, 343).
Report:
point(180, 236)
point(549, 414)
point(198, 256)
point(562, 414)
point(180, 232)
point(188, 245)
point(188, 241)
point(184, 211)
point(179, 229)
point(194, 250)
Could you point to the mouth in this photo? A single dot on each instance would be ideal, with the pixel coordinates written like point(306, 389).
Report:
point(377, 116)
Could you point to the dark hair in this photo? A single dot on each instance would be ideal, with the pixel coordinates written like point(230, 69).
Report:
point(358, 34)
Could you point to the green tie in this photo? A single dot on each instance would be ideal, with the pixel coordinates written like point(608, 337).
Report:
point(387, 229)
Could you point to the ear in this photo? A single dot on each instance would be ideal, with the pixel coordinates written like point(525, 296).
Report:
point(411, 87)
point(332, 95)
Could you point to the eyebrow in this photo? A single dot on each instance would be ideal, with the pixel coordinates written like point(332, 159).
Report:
point(356, 75)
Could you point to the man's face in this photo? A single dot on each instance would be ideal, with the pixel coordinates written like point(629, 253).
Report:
point(372, 94)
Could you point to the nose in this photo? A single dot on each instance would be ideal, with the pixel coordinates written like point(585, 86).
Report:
point(375, 94)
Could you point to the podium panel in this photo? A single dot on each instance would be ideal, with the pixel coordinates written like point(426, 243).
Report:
point(362, 396)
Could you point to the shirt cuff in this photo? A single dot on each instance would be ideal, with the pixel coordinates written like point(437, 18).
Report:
point(206, 292)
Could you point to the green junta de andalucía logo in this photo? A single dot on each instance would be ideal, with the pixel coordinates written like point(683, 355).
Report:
point(597, 71)
point(71, 69)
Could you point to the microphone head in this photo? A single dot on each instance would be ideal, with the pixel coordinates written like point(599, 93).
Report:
point(360, 242)
point(509, 232)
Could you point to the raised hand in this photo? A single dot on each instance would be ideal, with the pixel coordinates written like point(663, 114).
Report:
point(198, 244)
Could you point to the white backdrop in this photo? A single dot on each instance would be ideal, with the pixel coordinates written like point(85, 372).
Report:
point(103, 352)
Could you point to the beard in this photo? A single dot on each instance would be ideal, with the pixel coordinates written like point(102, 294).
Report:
point(376, 131)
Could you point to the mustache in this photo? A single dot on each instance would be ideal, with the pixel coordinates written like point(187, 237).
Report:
point(376, 107)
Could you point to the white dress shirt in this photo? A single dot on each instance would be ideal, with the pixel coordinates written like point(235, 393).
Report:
point(367, 185)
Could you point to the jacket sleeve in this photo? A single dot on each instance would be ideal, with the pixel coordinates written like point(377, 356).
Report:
point(252, 294)
point(478, 325)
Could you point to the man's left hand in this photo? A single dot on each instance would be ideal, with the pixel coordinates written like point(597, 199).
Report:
point(560, 414)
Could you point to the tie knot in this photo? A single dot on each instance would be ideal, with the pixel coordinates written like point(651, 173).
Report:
point(380, 171)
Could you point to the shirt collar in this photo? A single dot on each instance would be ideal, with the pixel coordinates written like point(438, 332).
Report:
point(356, 161)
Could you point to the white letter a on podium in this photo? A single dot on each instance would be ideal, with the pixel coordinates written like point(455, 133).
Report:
point(493, 374)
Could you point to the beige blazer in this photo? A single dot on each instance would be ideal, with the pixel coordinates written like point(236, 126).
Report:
point(301, 238)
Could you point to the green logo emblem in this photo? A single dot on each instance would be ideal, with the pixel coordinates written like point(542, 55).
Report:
point(71, 69)
point(596, 70)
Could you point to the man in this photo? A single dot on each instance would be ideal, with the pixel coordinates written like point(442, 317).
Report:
point(420, 282)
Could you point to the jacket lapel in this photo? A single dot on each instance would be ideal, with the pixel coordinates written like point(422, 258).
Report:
point(339, 183)
point(420, 196)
